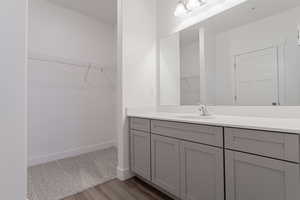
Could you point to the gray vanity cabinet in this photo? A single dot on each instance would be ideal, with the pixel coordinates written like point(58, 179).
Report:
point(185, 168)
point(251, 177)
point(166, 163)
point(261, 165)
point(140, 153)
point(187, 161)
point(201, 172)
point(140, 149)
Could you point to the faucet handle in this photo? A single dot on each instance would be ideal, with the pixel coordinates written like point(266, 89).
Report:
point(202, 105)
point(203, 109)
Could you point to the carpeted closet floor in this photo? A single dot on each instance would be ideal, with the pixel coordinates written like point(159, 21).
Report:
point(59, 179)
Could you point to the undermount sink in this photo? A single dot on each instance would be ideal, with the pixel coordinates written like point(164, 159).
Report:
point(196, 116)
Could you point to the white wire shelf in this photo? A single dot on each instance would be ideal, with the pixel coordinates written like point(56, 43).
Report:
point(64, 61)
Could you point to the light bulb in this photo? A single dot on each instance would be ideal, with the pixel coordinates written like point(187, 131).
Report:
point(180, 9)
point(193, 4)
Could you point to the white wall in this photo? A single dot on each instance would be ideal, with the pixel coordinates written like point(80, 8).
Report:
point(279, 30)
point(13, 143)
point(137, 66)
point(169, 71)
point(69, 115)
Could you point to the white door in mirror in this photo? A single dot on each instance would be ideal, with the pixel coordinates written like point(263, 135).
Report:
point(256, 78)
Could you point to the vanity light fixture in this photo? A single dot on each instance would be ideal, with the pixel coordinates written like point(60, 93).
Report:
point(184, 7)
point(181, 9)
point(193, 4)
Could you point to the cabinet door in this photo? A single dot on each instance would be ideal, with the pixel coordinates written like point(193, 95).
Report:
point(140, 153)
point(166, 163)
point(250, 177)
point(202, 172)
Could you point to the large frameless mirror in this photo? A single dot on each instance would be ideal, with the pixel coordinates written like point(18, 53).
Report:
point(249, 60)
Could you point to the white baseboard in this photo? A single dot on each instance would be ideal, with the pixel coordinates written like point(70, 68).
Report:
point(124, 174)
point(70, 153)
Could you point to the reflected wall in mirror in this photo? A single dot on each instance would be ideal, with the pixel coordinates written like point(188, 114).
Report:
point(247, 56)
point(189, 67)
point(179, 69)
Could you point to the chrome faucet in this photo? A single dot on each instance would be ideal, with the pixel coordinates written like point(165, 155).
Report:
point(203, 110)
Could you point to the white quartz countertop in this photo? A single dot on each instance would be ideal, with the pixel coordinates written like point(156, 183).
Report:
point(286, 125)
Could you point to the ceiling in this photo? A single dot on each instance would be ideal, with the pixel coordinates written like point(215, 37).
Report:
point(250, 11)
point(245, 13)
point(102, 10)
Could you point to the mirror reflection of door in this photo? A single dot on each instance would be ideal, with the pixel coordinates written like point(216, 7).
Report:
point(256, 78)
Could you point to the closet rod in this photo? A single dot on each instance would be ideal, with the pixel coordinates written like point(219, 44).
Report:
point(64, 61)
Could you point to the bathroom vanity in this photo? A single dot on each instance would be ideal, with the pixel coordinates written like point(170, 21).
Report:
point(192, 159)
point(221, 62)
point(249, 64)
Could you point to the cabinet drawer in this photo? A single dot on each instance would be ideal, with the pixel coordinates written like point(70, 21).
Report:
point(193, 132)
point(271, 144)
point(140, 124)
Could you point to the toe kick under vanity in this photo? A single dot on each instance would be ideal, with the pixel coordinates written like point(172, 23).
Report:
point(197, 161)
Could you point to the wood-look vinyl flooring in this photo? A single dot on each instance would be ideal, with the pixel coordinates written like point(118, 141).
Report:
point(133, 189)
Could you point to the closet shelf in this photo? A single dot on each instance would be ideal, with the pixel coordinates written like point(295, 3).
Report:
point(64, 61)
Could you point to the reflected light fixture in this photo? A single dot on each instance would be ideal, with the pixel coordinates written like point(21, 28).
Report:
point(193, 4)
point(181, 9)
point(184, 7)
